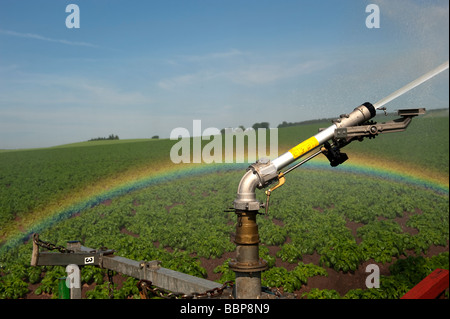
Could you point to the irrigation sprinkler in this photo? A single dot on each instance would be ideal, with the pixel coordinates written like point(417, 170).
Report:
point(356, 125)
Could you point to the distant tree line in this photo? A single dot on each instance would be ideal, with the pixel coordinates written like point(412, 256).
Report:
point(110, 137)
point(287, 124)
point(261, 125)
point(266, 125)
point(256, 126)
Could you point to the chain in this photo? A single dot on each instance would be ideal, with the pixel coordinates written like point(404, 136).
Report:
point(49, 246)
point(146, 286)
point(110, 284)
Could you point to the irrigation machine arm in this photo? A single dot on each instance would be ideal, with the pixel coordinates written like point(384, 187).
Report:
point(373, 129)
point(347, 128)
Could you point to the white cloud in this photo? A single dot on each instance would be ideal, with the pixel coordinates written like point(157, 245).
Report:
point(233, 53)
point(43, 38)
point(270, 73)
point(113, 96)
point(248, 74)
point(182, 80)
point(56, 90)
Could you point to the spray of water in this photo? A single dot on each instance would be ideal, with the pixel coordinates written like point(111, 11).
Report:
point(411, 85)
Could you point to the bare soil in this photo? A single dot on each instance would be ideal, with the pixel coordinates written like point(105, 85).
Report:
point(337, 280)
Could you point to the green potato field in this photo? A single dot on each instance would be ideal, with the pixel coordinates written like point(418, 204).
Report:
point(387, 205)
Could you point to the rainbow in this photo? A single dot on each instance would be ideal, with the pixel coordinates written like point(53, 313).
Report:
point(143, 178)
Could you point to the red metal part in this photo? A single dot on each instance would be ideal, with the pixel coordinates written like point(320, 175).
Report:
point(430, 287)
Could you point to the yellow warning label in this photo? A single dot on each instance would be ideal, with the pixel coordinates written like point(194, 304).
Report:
point(304, 147)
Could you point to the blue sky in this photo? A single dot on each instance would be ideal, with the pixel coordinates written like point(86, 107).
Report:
point(143, 68)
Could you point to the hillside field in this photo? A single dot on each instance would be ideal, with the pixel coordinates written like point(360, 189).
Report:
point(324, 226)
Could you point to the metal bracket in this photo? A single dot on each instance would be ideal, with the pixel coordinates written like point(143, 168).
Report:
point(151, 265)
point(281, 181)
point(84, 257)
point(373, 129)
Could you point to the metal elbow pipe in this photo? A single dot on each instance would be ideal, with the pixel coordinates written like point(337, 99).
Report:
point(246, 196)
point(258, 175)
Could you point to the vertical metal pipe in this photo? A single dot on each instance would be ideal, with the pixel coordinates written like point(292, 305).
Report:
point(247, 265)
point(247, 285)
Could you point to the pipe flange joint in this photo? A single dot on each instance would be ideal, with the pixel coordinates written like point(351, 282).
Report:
point(246, 205)
point(266, 171)
point(249, 267)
